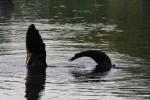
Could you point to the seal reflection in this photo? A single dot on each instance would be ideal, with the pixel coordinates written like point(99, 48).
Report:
point(35, 85)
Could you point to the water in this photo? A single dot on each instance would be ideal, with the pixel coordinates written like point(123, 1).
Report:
point(118, 27)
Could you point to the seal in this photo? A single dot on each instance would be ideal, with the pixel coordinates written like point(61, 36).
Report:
point(103, 61)
point(36, 53)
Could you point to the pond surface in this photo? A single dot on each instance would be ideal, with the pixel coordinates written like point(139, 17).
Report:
point(121, 28)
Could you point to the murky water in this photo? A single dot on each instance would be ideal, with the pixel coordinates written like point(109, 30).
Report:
point(118, 27)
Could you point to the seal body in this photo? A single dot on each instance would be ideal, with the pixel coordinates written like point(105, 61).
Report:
point(103, 61)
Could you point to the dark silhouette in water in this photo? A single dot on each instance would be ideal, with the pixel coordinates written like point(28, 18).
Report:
point(103, 61)
point(35, 84)
point(36, 53)
point(36, 64)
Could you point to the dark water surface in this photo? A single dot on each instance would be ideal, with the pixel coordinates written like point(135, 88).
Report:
point(121, 28)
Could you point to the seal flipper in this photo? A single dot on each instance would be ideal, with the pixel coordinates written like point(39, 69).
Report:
point(36, 53)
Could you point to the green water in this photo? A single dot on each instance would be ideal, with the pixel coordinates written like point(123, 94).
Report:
point(118, 27)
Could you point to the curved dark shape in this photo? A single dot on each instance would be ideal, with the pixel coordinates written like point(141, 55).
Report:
point(36, 53)
point(103, 61)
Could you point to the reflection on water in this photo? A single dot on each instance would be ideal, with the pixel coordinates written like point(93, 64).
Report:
point(132, 18)
point(34, 86)
point(6, 7)
point(118, 27)
point(87, 76)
